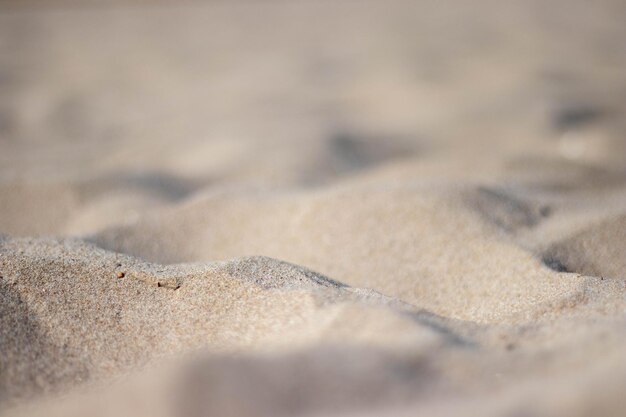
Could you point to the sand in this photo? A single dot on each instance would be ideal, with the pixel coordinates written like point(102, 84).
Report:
point(312, 208)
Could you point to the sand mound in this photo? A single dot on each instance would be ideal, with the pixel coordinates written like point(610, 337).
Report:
point(351, 235)
point(598, 251)
point(74, 313)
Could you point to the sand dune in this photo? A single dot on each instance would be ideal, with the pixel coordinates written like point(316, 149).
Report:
point(439, 244)
point(105, 313)
point(597, 250)
point(66, 300)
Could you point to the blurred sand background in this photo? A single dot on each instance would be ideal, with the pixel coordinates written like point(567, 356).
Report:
point(320, 208)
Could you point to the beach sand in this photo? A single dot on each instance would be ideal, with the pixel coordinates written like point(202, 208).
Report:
point(332, 208)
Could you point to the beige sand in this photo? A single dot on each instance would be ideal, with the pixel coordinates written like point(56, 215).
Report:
point(332, 208)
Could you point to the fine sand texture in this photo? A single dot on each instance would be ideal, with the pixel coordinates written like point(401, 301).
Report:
point(312, 208)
